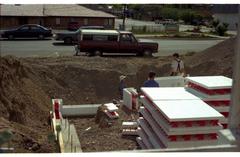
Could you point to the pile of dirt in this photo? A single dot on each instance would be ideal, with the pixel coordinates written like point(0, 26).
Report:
point(216, 60)
point(24, 107)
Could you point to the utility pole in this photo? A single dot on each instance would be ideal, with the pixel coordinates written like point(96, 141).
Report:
point(234, 117)
point(124, 16)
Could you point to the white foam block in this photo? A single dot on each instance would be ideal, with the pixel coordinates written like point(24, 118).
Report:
point(211, 82)
point(111, 107)
point(129, 125)
point(172, 81)
point(140, 143)
point(168, 93)
point(206, 97)
point(221, 108)
point(144, 138)
point(155, 118)
point(128, 99)
point(150, 133)
point(187, 110)
point(129, 132)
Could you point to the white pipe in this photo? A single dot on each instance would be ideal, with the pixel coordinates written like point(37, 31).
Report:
point(234, 117)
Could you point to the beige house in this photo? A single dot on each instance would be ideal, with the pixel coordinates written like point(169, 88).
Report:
point(56, 16)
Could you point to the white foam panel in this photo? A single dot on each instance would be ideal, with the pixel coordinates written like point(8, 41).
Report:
point(168, 93)
point(211, 82)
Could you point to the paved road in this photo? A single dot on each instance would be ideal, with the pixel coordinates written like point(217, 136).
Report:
point(44, 48)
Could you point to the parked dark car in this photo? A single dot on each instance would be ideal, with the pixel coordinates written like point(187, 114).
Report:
point(28, 31)
point(97, 42)
point(72, 37)
point(73, 26)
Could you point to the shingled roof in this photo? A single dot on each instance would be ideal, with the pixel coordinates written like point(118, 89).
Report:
point(70, 10)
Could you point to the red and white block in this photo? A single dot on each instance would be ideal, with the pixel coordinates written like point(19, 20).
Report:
point(214, 90)
point(57, 107)
point(183, 121)
point(130, 98)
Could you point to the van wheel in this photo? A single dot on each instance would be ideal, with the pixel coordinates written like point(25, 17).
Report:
point(97, 53)
point(147, 53)
point(68, 40)
point(139, 54)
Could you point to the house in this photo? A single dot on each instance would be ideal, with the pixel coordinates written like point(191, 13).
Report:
point(57, 16)
point(226, 13)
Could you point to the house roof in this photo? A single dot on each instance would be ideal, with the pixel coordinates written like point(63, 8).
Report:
point(22, 10)
point(70, 10)
point(225, 8)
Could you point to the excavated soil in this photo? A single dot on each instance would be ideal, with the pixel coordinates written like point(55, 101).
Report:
point(96, 139)
point(28, 84)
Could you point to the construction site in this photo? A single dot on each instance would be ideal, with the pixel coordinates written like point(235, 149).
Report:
point(71, 104)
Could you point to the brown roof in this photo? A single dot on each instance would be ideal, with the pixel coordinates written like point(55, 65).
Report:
point(22, 10)
point(51, 10)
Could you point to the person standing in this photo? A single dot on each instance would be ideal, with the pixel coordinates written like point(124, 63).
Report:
point(151, 82)
point(122, 85)
point(177, 66)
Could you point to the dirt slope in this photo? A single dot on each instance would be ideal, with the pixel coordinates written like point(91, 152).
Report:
point(216, 60)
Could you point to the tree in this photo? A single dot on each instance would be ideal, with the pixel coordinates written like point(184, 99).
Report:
point(215, 23)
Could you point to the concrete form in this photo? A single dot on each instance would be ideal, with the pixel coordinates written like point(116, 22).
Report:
point(172, 81)
point(130, 98)
point(80, 110)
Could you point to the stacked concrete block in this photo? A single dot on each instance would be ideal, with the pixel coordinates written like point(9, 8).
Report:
point(175, 118)
point(130, 98)
point(111, 110)
point(214, 90)
point(129, 128)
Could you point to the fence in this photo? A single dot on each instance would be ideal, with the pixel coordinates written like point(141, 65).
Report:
point(152, 28)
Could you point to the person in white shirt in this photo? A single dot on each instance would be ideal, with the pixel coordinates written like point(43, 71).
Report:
point(177, 66)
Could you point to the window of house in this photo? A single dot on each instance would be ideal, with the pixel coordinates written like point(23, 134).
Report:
point(58, 21)
point(106, 22)
point(85, 21)
point(72, 19)
point(110, 22)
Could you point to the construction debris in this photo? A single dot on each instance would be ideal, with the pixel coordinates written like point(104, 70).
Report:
point(129, 128)
point(111, 110)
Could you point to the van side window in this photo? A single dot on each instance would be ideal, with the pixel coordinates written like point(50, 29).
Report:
point(112, 38)
point(126, 38)
point(100, 37)
point(87, 37)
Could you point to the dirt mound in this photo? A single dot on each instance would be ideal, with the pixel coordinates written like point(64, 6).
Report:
point(23, 106)
point(216, 60)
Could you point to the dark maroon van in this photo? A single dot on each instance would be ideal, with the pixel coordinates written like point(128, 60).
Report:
point(97, 42)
